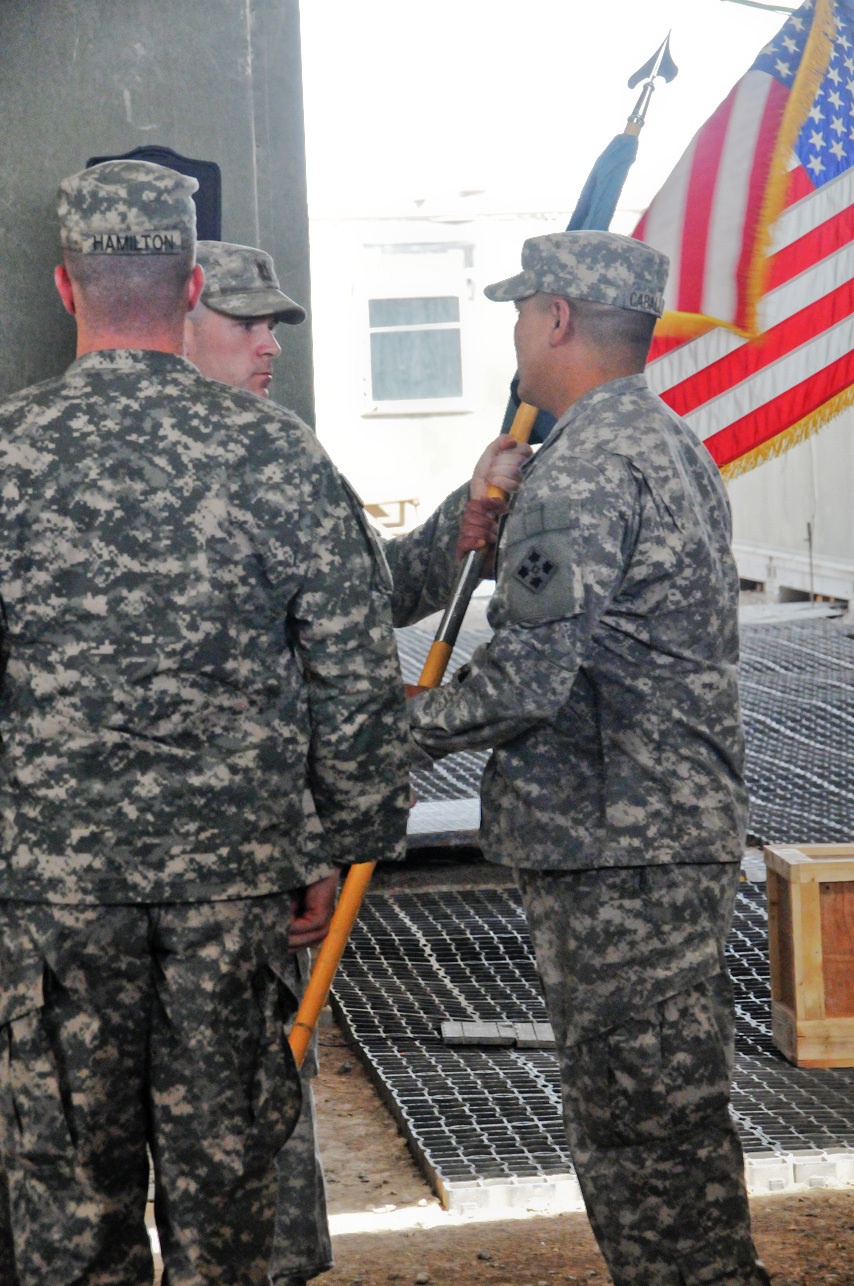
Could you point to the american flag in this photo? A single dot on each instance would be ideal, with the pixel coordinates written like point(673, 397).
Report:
point(757, 349)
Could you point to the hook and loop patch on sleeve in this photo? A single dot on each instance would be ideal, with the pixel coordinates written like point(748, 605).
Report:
point(535, 570)
point(541, 578)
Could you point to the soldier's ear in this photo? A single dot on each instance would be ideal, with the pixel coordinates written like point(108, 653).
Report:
point(65, 287)
point(195, 286)
point(562, 319)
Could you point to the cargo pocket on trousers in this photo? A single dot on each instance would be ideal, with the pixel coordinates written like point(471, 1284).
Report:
point(33, 1100)
point(661, 1077)
point(276, 1088)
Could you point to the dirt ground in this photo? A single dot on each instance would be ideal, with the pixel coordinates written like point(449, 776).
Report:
point(376, 1195)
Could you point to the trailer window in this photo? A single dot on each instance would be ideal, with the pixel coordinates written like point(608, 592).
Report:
point(418, 297)
point(415, 348)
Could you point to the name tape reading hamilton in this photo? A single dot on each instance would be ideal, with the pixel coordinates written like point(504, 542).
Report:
point(129, 243)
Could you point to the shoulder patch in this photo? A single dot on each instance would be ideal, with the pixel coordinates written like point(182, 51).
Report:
point(535, 570)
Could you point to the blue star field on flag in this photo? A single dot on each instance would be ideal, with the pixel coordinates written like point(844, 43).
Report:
point(825, 145)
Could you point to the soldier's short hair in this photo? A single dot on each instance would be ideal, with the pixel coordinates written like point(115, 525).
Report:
point(125, 294)
point(605, 326)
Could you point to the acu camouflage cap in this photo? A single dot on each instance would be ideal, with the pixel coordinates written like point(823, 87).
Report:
point(127, 208)
point(241, 281)
point(600, 266)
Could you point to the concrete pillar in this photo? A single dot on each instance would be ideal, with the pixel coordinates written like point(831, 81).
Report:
point(216, 79)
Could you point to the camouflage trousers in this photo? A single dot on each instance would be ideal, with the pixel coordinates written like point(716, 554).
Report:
point(631, 963)
point(127, 1026)
point(302, 1247)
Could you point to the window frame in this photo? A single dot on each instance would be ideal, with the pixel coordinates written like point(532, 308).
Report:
point(401, 270)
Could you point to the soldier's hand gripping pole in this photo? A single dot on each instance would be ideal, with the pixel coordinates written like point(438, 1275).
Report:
point(468, 577)
point(359, 875)
point(329, 957)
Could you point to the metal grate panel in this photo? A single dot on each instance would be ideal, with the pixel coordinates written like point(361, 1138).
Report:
point(492, 1115)
point(797, 692)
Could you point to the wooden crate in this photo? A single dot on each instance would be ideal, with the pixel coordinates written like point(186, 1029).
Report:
point(811, 943)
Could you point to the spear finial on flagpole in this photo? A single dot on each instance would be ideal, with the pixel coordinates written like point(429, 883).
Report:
point(660, 64)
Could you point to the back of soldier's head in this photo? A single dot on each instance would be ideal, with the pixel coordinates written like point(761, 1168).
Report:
point(128, 232)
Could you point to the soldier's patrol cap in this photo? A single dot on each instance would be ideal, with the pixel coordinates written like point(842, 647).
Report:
point(603, 267)
point(241, 281)
point(127, 208)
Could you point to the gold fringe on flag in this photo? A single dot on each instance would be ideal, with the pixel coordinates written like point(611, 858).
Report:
point(790, 437)
point(810, 73)
point(687, 326)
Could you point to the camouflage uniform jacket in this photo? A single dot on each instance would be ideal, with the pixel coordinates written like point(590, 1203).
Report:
point(202, 670)
point(609, 688)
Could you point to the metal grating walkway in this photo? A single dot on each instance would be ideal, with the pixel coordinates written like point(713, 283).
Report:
point(485, 1122)
point(797, 691)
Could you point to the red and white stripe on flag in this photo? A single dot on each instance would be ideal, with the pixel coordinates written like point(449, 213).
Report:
point(706, 218)
point(757, 348)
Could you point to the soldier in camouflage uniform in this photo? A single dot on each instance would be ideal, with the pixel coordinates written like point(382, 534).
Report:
point(608, 694)
point(201, 714)
point(229, 336)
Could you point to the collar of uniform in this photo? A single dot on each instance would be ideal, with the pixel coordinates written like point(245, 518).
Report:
point(131, 359)
point(601, 393)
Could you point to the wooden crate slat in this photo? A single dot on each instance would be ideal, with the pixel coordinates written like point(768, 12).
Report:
point(808, 955)
point(837, 935)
